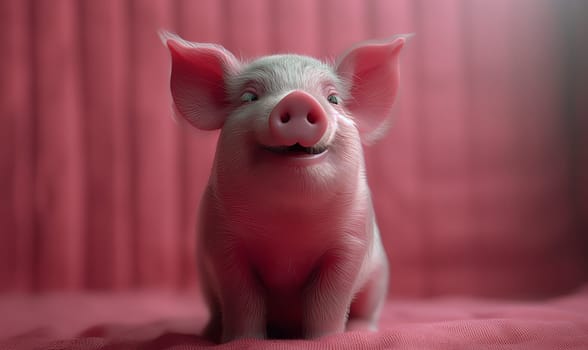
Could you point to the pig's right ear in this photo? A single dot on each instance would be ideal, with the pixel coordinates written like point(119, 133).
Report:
point(198, 80)
point(371, 70)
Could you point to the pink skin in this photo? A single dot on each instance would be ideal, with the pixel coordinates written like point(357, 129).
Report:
point(288, 245)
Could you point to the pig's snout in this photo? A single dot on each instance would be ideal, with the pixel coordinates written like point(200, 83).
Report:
point(298, 118)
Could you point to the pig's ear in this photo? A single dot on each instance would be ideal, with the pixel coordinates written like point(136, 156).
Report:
point(198, 80)
point(371, 71)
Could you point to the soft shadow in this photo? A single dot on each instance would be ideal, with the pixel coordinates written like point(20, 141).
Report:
point(153, 335)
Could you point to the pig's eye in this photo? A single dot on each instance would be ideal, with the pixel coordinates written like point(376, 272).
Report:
point(334, 99)
point(248, 96)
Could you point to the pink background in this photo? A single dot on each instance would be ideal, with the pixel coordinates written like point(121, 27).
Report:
point(480, 188)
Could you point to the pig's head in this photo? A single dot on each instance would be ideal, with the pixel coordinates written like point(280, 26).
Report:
point(290, 125)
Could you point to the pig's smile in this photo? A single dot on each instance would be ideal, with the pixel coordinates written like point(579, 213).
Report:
point(295, 155)
point(298, 150)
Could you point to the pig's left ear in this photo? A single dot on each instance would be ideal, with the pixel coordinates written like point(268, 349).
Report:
point(198, 80)
point(371, 70)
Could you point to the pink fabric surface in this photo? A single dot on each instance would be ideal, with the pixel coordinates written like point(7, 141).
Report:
point(172, 321)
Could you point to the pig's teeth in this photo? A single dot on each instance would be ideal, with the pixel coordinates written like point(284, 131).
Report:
point(316, 149)
point(298, 148)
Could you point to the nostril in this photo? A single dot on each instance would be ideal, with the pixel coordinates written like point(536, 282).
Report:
point(297, 118)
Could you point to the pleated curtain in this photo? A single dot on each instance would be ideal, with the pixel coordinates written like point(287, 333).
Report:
point(480, 187)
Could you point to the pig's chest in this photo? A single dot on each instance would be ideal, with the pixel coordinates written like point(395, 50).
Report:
point(285, 264)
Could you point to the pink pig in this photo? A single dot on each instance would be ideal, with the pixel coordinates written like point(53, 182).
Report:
point(288, 244)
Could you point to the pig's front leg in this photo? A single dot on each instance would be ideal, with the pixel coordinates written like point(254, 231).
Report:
point(243, 309)
point(329, 295)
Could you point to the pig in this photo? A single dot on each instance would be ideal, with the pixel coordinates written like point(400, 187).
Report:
point(287, 240)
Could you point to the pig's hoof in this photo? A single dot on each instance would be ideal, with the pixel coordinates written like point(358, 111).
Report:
point(212, 332)
point(230, 337)
point(361, 325)
point(323, 333)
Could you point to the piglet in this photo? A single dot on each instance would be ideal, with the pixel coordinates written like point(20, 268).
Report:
point(288, 245)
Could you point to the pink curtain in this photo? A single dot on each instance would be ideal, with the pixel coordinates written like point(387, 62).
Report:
point(481, 187)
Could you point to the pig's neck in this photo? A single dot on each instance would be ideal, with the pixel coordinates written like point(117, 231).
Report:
point(255, 212)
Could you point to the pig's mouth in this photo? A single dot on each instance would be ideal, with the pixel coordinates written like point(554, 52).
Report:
point(298, 149)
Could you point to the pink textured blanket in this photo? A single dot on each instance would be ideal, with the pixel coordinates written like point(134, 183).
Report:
point(172, 321)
